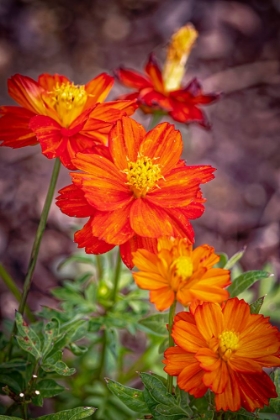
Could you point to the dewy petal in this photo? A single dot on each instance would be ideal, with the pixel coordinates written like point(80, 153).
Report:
point(132, 245)
point(113, 227)
point(214, 325)
point(153, 71)
point(48, 81)
point(72, 202)
point(165, 145)
point(103, 185)
point(85, 239)
point(98, 89)
point(124, 141)
point(14, 127)
point(132, 78)
point(27, 93)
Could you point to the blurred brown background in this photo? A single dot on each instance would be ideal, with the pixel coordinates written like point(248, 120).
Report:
point(237, 53)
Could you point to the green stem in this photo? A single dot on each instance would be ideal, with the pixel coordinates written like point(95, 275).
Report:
point(155, 119)
point(11, 285)
point(116, 279)
point(36, 245)
point(99, 267)
point(171, 341)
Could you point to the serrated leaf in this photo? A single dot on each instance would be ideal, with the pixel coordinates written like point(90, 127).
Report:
point(156, 324)
point(59, 367)
point(244, 281)
point(234, 259)
point(73, 414)
point(27, 339)
point(131, 397)
point(255, 307)
point(49, 388)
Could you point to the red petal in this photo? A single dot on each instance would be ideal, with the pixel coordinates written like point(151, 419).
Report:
point(136, 242)
point(73, 203)
point(132, 79)
point(152, 98)
point(154, 72)
point(113, 227)
point(124, 141)
point(164, 144)
point(27, 93)
point(14, 127)
point(98, 89)
point(85, 239)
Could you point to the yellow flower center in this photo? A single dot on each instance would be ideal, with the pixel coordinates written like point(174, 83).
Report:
point(228, 344)
point(142, 175)
point(182, 267)
point(68, 100)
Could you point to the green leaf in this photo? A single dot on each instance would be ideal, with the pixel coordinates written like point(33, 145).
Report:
point(131, 397)
point(164, 345)
point(59, 367)
point(13, 380)
point(234, 259)
point(10, 418)
point(77, 350)
point(255, 307)
point(51, 332)
point(275, 402)
point(223, 260)
point(27, 339)
point(37, 400)
point(246, 280)
point(49, 388)
point(74, 414)
point(155, 324)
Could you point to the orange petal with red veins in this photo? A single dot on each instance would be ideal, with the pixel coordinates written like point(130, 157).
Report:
point(72, 202)
point(204, 172)
point(121, 108)
point(176, 359)
point(49, 135)
point(230, 399)
point(113, 227)
point(49, 81)
point(14, 127)
point(217, 379)
point(133, 245)
point(236, 312)
point(124, 141)
point(153, 71)
point(204, 255)
point(104, 187)
point(149, 220)
point(162, 298)
point(208, 359)
point(85, 239)
point(156, 100)
point(187, 336)
point(185, 316)
point(215, 322)
point(98, 89)
point(27, 93)
point(181, 223)
point(163, 144)
point(244, 364)
point(132, 78)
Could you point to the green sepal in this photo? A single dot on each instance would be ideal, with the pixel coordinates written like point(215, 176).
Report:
point(246, 280)
point(131, 397)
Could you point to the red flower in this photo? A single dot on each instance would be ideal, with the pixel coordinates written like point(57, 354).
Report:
point(181, 104)
point(224, 349)
point(65, 118)
point(142, 190)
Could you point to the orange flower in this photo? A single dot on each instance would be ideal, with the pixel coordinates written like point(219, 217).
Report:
point(65, 118)
point(163, 90)
point(142, 189)
point(225, 349)
point(177, 272)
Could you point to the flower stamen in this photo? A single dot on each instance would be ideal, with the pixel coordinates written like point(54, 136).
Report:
point(228, 344)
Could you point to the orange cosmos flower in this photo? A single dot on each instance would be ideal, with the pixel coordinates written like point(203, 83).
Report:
point(225, 349)
point(65, 118)
point(177, 272)
point(142, 189)
point(163, 90)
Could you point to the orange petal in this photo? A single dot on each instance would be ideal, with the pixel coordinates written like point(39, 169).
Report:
point(209, 360)
point(27, 93)
point(73, 203)
point(213, 314)
point(154, 72)
point(185, 316)
point(162, 298)
point(48, 81)
point(85, 239)
point(164, 144)
point(187, 336)
point(190, 380)
point(124, 141)
point(204, 256)
point(133, 244)
point(98, 89)
point(217, 379)
point(146, 260)
point(150, 281)
point(230, 398)
point(104, 187)
point(14, 127)
point(176, 359)
point(236, 313)
point(132, 79)
point(244, 364)
point(113, 227)
point(181, 223)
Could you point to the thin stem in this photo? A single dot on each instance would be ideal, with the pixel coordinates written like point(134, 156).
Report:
point(155, 119)
point(11, 285)
point(39, 235)
point(171, 341)
point(36, 246)
point(116, 278)
point(99, 267)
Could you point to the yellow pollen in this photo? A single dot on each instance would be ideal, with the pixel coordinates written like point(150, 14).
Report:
point(142, 175)
point(182, 267)
point(228, 343)
point(68, 100)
